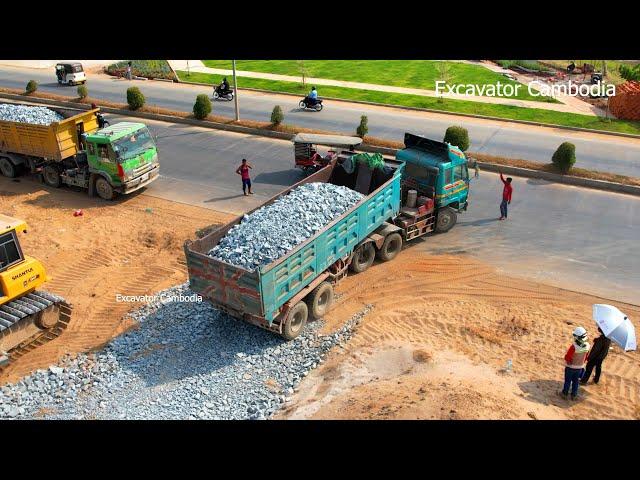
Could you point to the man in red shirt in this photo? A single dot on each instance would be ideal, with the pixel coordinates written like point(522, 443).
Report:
point(506, 196)
point(243, 171)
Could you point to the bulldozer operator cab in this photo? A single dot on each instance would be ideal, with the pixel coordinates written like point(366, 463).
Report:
point(18, 273)
point(436, 170)
point(10, 252)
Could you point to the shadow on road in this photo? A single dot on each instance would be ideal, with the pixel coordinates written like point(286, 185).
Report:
point(219, 199)
point(478, 223)
point(283, 177)
point(538, 181)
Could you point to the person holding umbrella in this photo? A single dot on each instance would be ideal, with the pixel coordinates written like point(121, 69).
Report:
point(597, 354)
point(575, 359)
point(615, 325)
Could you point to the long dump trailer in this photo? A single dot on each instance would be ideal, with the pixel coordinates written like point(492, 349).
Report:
point(281, 295)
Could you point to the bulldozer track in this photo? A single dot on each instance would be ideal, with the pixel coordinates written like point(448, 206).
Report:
point(13, 313)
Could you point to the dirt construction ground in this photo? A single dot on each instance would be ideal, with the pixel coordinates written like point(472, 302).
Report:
point(130, 247)
point(435, 344)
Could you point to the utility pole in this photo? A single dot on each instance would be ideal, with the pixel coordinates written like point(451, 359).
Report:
point(188, 71)
point(235, 88)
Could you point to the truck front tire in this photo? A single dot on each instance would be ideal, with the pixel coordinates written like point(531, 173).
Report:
point(104, 189)
point(390, 248)
point(7, 168)
point(447, 218)
point(320, 299)
point(295, 321)
point(363, 258)
point(51, 176)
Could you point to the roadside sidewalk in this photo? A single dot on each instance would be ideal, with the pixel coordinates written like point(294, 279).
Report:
point(570, 107)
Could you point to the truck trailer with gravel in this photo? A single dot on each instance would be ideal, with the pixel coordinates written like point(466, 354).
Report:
point(66, 147)
point(264, 269)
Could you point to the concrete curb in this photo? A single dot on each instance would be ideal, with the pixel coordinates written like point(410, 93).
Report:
point(440, 112)
point(492, 167)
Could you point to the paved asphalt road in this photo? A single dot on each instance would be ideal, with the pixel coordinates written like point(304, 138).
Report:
point(579, 239)
point(599, 152)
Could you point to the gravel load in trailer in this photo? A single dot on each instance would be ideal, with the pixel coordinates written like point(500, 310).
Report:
point(270, 232)
point(28, 114)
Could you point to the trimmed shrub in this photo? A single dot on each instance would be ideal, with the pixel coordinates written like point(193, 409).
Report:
point(277, 115)
point(32, 86)
point(363, 128)
point(202, 107)
point(83, 92)
point(564, 157)
point(135, 98)
point(457, 136)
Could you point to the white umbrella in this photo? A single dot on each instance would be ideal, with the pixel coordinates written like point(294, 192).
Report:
point(615, 325)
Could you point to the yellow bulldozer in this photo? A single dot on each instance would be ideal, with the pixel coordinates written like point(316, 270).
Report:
point(28, 317)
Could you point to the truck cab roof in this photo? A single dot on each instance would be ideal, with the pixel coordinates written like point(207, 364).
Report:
point(424, 152)
point(115, 131)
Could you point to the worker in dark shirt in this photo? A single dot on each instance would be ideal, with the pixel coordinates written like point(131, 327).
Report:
point(506, 196)
point(597, 355)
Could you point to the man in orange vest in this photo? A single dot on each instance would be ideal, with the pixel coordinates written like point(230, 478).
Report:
point(575, 360)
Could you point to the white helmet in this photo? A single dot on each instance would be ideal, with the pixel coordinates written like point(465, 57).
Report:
point(579, 332)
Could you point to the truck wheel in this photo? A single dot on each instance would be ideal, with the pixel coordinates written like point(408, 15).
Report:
point(51, 176)
point(295, 321)
point(319, 301)
point(363, 258)
point(447, 218)
point(7, 168)
point(104, 188)
point(390, 248)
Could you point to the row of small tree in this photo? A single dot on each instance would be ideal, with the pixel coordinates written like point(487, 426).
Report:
point(563, 158)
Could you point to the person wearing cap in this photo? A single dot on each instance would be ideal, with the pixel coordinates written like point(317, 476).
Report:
point(597, 355)
point(575, 360)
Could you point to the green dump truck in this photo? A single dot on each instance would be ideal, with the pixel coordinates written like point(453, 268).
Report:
point(281, 295)
point(118, 159)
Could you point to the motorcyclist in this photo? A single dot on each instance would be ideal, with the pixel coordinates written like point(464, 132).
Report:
point(224, 86)
point(313, 96)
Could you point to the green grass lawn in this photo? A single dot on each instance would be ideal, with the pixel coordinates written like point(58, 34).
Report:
point(398, 73)
point(454, 106)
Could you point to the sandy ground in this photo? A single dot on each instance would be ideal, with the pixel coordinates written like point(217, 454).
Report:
point(133, 246)
point(437, 342)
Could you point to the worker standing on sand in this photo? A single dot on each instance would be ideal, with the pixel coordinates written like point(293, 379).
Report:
point(597, 355)
point(575, 359)
point(506, 196)
point(243, 171)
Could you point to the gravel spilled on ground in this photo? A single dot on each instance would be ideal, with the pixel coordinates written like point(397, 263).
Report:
point(183, 361)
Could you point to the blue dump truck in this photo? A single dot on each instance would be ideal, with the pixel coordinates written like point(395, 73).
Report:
point(418, 192)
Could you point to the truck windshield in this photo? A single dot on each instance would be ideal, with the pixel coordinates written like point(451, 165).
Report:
point(134, 144)
point(422, 174)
